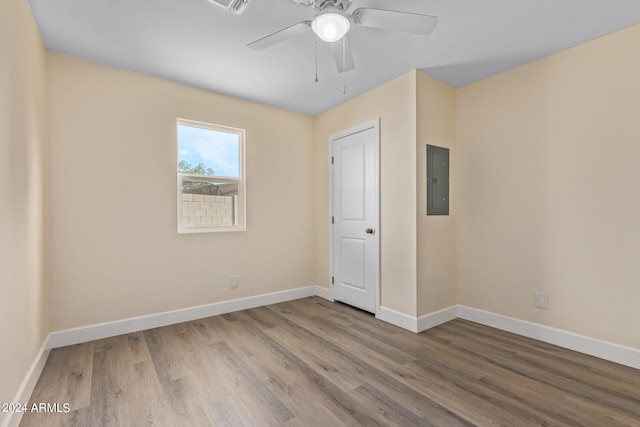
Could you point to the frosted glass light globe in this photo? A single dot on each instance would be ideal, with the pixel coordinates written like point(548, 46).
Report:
point(331, 27)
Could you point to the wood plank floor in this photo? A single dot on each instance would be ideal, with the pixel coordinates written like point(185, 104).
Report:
point(314, 363)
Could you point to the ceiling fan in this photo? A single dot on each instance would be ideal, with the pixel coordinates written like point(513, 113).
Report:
point(334, 19)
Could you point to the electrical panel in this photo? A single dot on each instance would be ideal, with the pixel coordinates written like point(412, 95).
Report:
point(437, 180)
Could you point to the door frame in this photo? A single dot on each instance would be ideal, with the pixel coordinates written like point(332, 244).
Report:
point(375, 124)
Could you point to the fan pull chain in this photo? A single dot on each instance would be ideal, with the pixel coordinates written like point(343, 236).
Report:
point(344, 65)
point(316, 60)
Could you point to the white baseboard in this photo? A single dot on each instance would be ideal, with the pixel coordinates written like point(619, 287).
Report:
point(396, 318)
point(136, 324)
point(417, 324)
point(594, 347)
point(25, 391)
point(436, 318)
point(324, 293)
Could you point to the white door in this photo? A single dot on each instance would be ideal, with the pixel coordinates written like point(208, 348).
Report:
point(355, 234)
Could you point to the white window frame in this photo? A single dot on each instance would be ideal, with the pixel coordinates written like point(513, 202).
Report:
point(240, 202)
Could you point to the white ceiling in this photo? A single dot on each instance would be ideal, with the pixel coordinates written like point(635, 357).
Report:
point(200, 44)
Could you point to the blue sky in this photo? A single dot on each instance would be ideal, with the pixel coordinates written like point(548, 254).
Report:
point(215, 149)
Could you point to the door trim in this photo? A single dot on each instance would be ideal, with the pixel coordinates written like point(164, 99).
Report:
point(375, 124)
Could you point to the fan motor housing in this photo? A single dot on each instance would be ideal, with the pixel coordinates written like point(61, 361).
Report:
point(323, 4)
point(236, 6)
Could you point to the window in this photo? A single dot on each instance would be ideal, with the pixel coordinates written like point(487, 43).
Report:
point(210, 178)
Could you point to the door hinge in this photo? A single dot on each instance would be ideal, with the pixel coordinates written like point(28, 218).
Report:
point(333, 279)
point(332, 159)
point(332, 220)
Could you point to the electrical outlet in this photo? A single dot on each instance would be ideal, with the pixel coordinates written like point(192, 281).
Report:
point(542, 300)
point(234, 282)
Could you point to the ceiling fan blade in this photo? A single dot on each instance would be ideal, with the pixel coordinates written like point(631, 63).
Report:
point(343, 61)
point(407, 22)
point(280, 36)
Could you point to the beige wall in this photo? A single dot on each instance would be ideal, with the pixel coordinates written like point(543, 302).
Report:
point(113, 141)
point(436, 235)
point(548, 193)
point(394, 103)
point(23, 308)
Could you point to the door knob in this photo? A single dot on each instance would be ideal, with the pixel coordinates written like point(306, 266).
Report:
point(369, 231)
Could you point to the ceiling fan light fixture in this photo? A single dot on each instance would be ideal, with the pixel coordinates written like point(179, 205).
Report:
point(331, 26)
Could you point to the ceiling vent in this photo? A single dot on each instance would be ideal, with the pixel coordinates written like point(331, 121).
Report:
point(236, 6)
